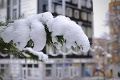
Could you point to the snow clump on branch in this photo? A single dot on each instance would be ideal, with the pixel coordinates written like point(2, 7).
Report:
point(33, 28)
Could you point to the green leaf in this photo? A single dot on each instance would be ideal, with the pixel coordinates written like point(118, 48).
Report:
point(2, 24)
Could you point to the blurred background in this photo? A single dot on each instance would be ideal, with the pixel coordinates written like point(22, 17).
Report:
point(100, 21)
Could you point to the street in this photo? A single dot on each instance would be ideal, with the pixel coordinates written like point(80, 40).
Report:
point(98, 78)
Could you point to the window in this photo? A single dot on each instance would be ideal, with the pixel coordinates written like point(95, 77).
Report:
point(74, 1)
point(84, 16)
point(24, 74)
point(13, 9)
point(37, 72)
point(48, 71)
point(23, 65)
point(2, 4)
point(48, 65)
point(53, 8)
point(68, 0)
point(83, 3)
point(2, 65)
point(58, 9)
point(89, 32)
point(79, 23)
point(14, 2)
point(76, 69)
point(29, 65)
point(88, 4)
point(30, 71)
point(59, 71)
point(84, 29)
point(67, 70)
point(76, 14)
point(3, 68)
point(35, 65)
point(69, 12)
point(45, 8)
point(89, 17)
point(2, 71)
point(71, 71)
point(14, 14)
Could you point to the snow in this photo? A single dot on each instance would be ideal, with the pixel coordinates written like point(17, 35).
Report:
point(20, 33)
point(72, 32)
point(38, 35)
point(6, 35)
point(4, 55)
point(2, 29)
point(46, 17)
point(41, 55)
point(52, 53)
point(22, 30)
point(26, 55)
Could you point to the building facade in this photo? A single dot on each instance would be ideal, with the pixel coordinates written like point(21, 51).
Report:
point(69, 67)
point(3, 10)
point(102, 56)
point(114, 7)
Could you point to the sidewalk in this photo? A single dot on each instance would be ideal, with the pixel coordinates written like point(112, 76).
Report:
point(98, 78)
point(115, 79)
point(93, 78)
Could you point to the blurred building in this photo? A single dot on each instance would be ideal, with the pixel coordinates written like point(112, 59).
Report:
point(70, 67)
point(114, 22)
point(3, 10)
point(102, 55)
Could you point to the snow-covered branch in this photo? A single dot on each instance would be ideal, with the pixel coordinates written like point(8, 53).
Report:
point(60, 29)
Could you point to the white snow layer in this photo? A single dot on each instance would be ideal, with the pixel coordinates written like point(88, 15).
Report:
point(38, 35)
point(2, 28)
point(7, 34)
point(22, 30)
point(41, 55)
point(70, 31)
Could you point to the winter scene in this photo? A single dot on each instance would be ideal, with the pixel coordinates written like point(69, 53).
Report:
point(59, 39)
